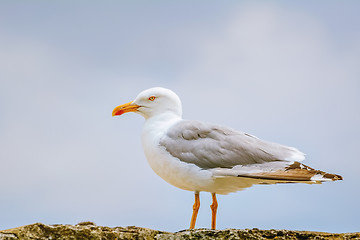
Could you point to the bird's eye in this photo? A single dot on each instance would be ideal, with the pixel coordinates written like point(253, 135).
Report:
point(152, 98)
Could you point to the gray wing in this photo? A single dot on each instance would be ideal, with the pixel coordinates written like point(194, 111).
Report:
point(212, 146)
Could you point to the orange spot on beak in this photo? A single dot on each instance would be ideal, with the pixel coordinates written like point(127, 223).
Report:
point(127, 107)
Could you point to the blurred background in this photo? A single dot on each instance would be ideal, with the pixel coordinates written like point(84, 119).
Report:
point(285, 71)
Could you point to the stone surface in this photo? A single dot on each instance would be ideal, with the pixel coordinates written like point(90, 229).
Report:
point(88, 230)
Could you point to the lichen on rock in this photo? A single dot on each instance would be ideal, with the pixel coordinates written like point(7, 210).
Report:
point(90, 231)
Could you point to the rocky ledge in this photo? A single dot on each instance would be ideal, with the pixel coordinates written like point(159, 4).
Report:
point(88, 230)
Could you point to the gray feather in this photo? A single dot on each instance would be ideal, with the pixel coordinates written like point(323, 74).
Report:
point(212, 146)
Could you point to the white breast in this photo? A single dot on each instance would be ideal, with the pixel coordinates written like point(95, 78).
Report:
point(179, 174)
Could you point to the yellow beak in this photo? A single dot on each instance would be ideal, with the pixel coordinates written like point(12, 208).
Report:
point(127, 107)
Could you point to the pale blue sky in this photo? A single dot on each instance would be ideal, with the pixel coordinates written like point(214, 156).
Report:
point(285, 71)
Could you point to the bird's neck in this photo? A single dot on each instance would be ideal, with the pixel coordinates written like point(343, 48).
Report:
point(163, 119)
point(160, 123)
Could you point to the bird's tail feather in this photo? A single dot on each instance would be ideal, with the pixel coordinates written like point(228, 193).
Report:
point(296, 172)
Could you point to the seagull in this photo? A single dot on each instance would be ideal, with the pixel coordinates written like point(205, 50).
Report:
point(204, 157)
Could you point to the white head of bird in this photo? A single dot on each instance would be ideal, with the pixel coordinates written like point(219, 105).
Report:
point(153, 102)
